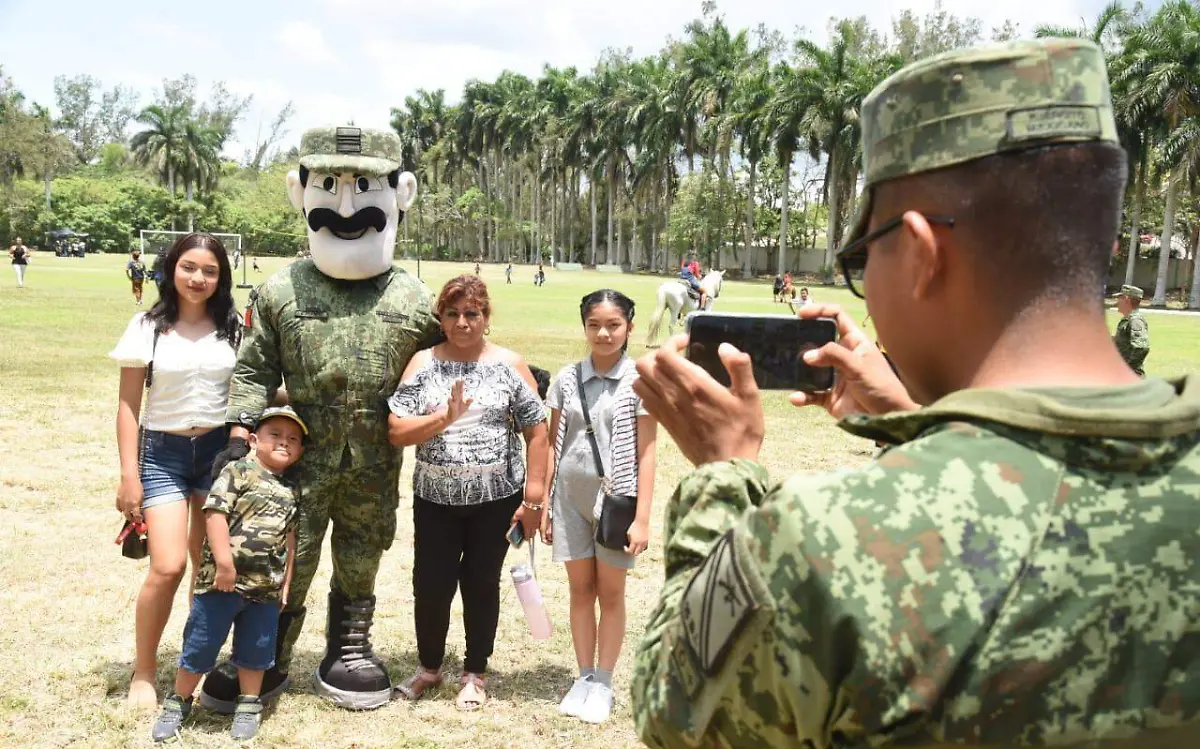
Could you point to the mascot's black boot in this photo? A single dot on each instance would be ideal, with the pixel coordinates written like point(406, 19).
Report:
point(350, 675)
point(220, 692)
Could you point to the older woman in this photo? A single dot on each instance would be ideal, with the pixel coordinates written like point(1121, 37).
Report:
point(462, 404)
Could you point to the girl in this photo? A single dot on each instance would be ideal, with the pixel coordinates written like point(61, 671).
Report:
point(188, 340)
point(463, 404)
point(625, 434)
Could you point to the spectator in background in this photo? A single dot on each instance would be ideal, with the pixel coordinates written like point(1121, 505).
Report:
point(135, 271)
point(20, 260)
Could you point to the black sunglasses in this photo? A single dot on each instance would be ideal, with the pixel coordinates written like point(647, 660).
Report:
point(853, 257)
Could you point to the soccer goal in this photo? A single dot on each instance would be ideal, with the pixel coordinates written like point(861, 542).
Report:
point(158, 241)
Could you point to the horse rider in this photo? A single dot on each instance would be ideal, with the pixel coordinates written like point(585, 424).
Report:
point(690, 272)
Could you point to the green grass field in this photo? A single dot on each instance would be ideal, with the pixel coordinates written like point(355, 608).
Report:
point(66, 626)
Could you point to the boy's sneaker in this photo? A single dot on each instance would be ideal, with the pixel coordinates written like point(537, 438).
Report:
point(598, 705)
point(573, 702)
point(246, 718)
point(175, 710)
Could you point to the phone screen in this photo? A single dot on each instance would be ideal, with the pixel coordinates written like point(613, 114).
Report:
point(516, 535)
point(775, 344)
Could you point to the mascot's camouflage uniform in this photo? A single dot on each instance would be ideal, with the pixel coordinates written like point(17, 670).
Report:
point(338, 330)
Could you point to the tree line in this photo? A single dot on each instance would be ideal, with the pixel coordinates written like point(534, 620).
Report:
point(722, 142)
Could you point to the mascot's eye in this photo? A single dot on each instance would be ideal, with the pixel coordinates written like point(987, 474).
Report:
point(328, 184)
point(366, 184)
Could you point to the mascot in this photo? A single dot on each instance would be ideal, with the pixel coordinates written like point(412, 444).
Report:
point(337, 330)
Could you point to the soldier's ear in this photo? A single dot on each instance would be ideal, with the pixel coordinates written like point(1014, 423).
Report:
point(406, 191)
point(295, 190)
point(253, 441)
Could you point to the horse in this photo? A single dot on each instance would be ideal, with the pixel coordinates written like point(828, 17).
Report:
point(673, 299)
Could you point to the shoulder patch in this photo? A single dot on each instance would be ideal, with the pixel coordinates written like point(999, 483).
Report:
point(717, 604)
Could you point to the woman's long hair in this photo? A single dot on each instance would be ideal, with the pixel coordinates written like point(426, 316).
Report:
point(221, 308)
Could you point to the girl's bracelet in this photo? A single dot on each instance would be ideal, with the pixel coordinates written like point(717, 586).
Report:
point(531, 508)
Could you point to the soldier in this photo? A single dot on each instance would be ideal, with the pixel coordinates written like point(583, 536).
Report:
point(1133, 333)
point(339, 329)
point(1019, 566)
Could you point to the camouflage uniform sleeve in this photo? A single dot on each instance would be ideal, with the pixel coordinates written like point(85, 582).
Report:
point(259, 371)
point(1139, 336)
point(707, 670)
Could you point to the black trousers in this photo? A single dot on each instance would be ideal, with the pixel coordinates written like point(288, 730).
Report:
point(459, 548)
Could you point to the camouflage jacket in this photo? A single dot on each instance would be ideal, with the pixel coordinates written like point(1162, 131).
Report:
point(1020, 568)
point(261, 510)
point(1133, 340)
point(340, 348)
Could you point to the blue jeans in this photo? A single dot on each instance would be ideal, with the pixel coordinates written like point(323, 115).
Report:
point(176, 467)
point(254, 623)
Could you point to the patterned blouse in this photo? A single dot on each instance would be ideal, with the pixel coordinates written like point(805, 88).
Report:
point(478, 458)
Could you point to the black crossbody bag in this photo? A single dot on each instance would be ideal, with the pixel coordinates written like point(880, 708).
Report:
point(618, 511)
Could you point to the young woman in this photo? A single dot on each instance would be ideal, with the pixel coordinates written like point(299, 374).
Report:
point(463, 404)
point(20, 260)
point(625, 435)
point(188, 340)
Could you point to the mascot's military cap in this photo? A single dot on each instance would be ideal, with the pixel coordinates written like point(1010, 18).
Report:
point(969, 103)
point(350, 149)
point(1133, 292)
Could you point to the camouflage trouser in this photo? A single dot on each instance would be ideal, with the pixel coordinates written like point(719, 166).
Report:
point(362, 504)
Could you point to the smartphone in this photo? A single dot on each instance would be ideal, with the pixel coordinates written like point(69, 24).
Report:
point(516, 535)
point(775, 343)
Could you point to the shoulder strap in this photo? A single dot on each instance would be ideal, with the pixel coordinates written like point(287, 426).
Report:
point(150, 364)
point(587, 420)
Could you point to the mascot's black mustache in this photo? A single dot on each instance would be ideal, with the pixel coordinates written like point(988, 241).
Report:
point(365, 218)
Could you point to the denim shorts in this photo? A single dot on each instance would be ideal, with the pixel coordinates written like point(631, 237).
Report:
point(176, 467)
point(254, 623)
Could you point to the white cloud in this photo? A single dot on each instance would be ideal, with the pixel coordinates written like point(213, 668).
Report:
point(302, 40)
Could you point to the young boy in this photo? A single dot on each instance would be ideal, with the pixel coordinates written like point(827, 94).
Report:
point(244, 577)
point(135, 271)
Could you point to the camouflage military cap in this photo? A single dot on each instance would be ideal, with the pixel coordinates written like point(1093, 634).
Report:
point(285, 412)
point(969, 103)
point(350, 149)
point(1133, 292)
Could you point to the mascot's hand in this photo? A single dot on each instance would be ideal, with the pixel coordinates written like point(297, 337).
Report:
point(237, 449)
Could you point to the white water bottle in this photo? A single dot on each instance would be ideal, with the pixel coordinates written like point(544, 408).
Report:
point(530, 595)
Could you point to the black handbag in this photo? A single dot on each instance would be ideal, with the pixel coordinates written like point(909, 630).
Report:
point(617, 512)
point(133, 540)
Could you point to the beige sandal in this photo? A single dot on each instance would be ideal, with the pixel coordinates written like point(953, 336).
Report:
point(472, 695)
point(418, 683)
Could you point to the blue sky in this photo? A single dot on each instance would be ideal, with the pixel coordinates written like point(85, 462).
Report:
point(341, 60)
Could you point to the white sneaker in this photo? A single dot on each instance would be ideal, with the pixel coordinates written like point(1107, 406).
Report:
point(573, 703)
point(598, 705)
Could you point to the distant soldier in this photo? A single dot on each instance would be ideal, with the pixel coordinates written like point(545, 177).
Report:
point(1019, 567)
point(1133, 332)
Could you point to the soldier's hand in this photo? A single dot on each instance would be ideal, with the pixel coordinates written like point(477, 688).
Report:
point(864, 381)
point(237, 449)
point(708, 421)
point(457, 405)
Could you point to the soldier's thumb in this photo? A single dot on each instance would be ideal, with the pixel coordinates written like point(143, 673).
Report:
point(833, 355)
point(741, 371)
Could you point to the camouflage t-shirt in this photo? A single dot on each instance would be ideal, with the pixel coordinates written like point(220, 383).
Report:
point(261, 509)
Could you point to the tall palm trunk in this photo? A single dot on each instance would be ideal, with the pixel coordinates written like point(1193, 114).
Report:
point(592, 193)
point(831, 230)
point(1194, 296)
point(1139, 198)
point(748, 230)
point(187, 190)
point(571, 215)
point(1168, 235)
point(612, 188)
point(780, 266)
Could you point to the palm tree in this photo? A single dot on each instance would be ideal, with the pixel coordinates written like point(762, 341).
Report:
point(199, 160)
point(750, 124)
point(1107, 25)
point(1162, 72)
point(160, 144)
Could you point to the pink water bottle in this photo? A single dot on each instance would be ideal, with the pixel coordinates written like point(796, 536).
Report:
point(530, 595)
